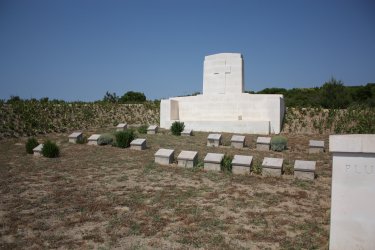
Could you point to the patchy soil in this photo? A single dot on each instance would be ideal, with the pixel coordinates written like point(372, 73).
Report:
point(111, 198)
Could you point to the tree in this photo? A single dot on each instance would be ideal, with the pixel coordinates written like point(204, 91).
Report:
point(133, 97)
point(110, 97)
point(334, 95)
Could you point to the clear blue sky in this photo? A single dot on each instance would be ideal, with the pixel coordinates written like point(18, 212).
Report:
point(77, 50)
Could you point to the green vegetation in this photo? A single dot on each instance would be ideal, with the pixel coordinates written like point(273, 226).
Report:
point(105, 139)
point(226, 163)
point(278, 143)
point(177, 128)
point(133, 97)
point(124, 138)
point(142, 129)
point(50, 149)
point(31, 144)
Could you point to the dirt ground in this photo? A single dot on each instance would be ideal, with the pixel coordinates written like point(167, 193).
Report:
point(103, 197)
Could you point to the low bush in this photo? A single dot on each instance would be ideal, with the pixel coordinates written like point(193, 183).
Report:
point(50, 149)
point(83, 140)
point(226, 163)
point(31, 144)
point(278, 143)
point(177, 128)
point(124, 138)
point(105, 139)
point(142, 129)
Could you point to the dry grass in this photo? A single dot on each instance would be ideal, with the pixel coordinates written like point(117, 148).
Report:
point(107, 197)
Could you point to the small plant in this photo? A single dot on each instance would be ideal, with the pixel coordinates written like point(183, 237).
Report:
point(50, 149)
point(226, 163)
point(257, 167)
point(177, 128)
point(142, 129)
point(278, 143)
point(124, 138)
point(82, 140)
point(105, 139)
point(31, 144)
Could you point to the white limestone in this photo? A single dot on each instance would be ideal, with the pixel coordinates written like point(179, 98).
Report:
point(75, 136)
point(304, 170)
point(153, 129)
point(223, 106)
point(241, 164)
point(353, 191)
point(214, 140)
point(164, 156)
point(138, 144)
point(187, 132)
point(263, 143)
point(187, 159)
point(212, 161)
point(272, 166)
point(38, 150)
point(121, 126)
point(93, 139)
point(237, 141)
point(316, 146)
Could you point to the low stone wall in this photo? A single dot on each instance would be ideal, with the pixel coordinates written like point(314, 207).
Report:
point(28, 118)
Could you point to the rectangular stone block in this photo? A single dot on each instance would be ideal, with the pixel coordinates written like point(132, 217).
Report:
point(263, 143)
point(75, 136)
point(121, 126)
point(187, 159)
point(316, 147)
point(153, 129)
point(241, 164)
point(214, 140)
point(238, 141)
point(93, 139)
point(164, 156)
point(187, 132)
point(212, 161)
point(272, 166)
point(38, 150)
point(138, 144)
point(304, 170)
point(353, 191)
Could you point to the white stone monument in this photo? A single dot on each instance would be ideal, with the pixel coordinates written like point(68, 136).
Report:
point(353, 192)
point(223, 106)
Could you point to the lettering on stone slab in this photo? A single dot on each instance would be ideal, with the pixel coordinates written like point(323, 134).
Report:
point(358, 169)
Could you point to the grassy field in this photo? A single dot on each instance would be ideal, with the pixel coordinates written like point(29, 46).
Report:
point(102, 197)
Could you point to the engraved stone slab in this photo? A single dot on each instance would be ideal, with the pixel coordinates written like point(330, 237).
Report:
point(138, 144)
point(238, 141)
point(304, 170)
point(153, 129)
point(353, 191)
point(187, 159)
point(212, 161)
point(93, 139)
point(38, 150)
point(272, 166)
point(164, 156)
point(316, 147)
point(75, 136)
point(241, 164)
point(121, 126)
point(263, 143)
point(187, 132)
point(214, 140)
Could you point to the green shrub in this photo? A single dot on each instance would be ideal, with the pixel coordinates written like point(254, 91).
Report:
point(257, 167)
point(83, 140)
point(105, 139)
point(50, 149)
point(177, 128)
point(124, 138)
point(31, 144)
point(226, 163)
point(143, 129)
point(278, 143)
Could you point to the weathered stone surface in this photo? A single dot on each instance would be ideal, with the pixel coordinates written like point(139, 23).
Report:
point(121, 126)
point(153, 129)
point(212, 161)
point(316, 147)
point(263, 143)
point(93, 139)
point(241, 164)
point(187, 159)
point(138, 144)
point(353, 191)
point(187, 132)
point(164, 156)
point(238, 141)
point(272, 166)
point(38, 150)
point(214, 140)
point(75, 136)
point(304, 170)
